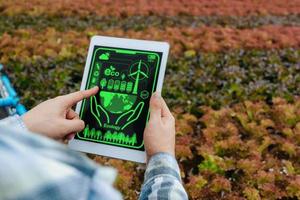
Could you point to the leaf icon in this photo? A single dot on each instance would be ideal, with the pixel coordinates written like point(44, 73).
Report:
point(112, 68)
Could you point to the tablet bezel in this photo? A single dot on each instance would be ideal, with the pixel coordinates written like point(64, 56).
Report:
point(143, 45)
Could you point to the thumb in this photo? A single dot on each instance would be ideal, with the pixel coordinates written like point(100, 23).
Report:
point(74, 125)
point(155, 107)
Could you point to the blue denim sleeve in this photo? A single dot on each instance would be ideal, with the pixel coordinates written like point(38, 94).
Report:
point(162, 179)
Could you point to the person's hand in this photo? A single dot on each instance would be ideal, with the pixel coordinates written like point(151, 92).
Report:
point(159, 134)
point(55, 118)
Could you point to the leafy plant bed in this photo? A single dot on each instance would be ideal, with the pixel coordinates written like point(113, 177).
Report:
point(194, 79)
point(75, 22)
point(28, 44)
point(123, 8)
point(249, 150)
point(232, 82)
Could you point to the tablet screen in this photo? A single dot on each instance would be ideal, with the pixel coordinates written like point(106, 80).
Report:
point(118, 114)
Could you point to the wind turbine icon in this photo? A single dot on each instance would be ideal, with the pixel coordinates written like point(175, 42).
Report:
point(136, 75)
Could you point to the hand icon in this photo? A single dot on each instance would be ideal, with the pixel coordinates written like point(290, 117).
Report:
point(123, 120)
point(130, 116)
point(97, 110)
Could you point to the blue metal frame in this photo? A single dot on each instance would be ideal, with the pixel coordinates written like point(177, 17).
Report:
point(9, 97)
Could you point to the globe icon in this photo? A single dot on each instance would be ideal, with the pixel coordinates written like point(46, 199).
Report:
point(117, 103)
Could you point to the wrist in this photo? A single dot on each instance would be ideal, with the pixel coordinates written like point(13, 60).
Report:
point(160, 152)
point(25, 121)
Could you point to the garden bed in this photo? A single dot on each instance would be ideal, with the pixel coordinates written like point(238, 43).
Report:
point(232, 82)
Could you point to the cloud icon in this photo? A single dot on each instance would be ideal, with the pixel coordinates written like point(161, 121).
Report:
point(104, 56)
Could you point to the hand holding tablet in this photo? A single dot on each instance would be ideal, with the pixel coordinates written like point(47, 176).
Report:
point(159, 135)
point(127, 73)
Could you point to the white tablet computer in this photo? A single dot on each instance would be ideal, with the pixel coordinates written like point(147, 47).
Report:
point(127, 72)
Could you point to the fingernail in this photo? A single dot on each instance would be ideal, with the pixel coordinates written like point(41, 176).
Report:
point(157, 95)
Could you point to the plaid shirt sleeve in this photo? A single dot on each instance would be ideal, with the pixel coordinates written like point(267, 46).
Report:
point(35, 167)
point(13, 121)
point(162, 179)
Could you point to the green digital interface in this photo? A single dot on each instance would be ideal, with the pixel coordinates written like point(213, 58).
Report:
point(118, 113)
